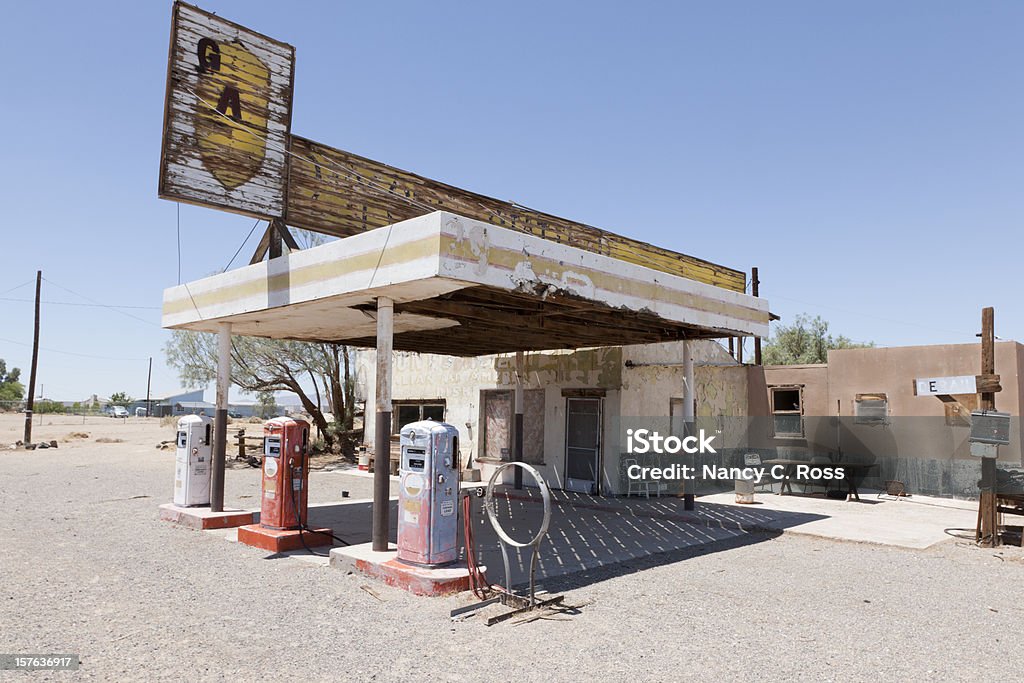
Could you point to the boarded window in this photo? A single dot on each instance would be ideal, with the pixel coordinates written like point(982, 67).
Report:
point(871, 409)
point(787, 412)
point(498, 416)
point(497, 425)
point(533, 426)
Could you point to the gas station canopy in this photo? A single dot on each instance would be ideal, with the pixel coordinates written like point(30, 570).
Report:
point(461, 287)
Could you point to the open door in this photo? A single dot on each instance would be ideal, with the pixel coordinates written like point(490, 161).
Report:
point(583, 445)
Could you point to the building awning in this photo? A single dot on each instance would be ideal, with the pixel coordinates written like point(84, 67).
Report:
point(461, 287)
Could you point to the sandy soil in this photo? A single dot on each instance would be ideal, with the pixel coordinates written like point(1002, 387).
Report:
point(88, 568)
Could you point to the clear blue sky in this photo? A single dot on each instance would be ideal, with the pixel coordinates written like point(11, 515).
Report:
point(867, 156)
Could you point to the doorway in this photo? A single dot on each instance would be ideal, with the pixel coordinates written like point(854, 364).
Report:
point(583, 445)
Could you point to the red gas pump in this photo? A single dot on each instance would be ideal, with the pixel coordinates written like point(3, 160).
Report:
point(284, 490)
point(285, 473)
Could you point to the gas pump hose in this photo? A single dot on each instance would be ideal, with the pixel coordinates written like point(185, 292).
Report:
point(482, 588)
point(303, 528)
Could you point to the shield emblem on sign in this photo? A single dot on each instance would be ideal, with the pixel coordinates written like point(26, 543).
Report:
point(231, 120)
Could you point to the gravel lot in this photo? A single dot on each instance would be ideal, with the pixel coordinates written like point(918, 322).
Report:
point(89, 569)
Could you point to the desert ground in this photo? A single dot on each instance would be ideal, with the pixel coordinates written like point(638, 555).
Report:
point(88, 568)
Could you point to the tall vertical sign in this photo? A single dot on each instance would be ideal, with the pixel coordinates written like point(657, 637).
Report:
point(227, 116)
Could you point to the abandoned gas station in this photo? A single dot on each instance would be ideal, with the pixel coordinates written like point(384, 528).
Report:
point(537, 334)
point(421, 266)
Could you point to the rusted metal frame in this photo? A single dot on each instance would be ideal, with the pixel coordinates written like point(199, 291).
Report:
point(524, 608)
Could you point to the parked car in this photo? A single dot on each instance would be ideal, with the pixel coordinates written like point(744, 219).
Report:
point(118, 411)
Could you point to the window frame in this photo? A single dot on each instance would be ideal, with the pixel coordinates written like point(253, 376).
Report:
point(421, 403)
point(772, 390)
point(878, 397)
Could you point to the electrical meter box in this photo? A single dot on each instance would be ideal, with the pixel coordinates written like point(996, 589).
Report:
point(285, 491)
point(989, 426)
point(428, 495)
point(989, 430)
point(192, 456)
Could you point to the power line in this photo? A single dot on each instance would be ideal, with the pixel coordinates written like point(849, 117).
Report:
point(238, 251)
point(75, 303)
point(72, 353)
point(101, 304)
point(23, 284)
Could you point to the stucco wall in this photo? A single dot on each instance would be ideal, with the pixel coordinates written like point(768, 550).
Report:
point(461, 381)
point(645, 390)
point(918, 445)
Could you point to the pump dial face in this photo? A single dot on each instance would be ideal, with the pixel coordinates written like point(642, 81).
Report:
point(270, 467)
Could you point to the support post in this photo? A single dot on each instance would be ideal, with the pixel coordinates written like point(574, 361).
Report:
point(149, 383)
point(517, 430)
point(32, 371)
point(688, 403)
point(275, 249)
point(382, 433)
point(220, 422)
point(754, 282)
point(988, 515)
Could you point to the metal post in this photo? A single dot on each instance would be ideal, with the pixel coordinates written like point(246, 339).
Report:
point(382, 433)
point(517, 429)
point(149, 382)
point(220, 422)
point(32, 372)
point(688, 403)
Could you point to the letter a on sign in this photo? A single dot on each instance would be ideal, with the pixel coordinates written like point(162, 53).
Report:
point(227, 117)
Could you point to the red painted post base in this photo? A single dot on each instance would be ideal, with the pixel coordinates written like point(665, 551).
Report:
point(384, 566)
point(282, 540)
point(201, 518)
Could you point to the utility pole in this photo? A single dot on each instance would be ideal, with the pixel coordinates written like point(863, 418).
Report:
point(35, 362)
point(988, 516)
point(149, 379)
point(754, 282)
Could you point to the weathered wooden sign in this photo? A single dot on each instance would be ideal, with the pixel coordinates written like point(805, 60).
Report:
point(227, 144)
point(340, 193)
point(227, 115)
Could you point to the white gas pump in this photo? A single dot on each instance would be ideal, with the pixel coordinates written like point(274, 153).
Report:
point(192, 460)
point(429, 492)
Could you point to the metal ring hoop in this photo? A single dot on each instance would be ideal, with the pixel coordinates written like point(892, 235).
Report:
point(544, 492)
